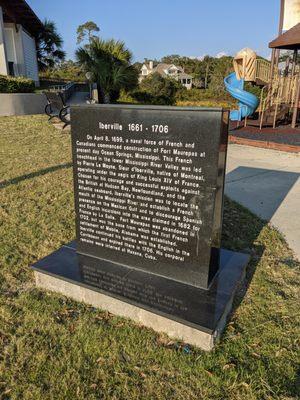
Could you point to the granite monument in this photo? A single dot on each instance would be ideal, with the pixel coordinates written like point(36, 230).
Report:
point(149, 184)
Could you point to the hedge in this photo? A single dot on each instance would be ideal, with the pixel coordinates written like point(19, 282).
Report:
point(196, 94)
point(11, 84)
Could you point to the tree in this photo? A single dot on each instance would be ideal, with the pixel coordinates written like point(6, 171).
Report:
point(49, 46)
point(205, 69)
point(187, 63)
point(156, 89)
point(86, 30)
point(172, 59)
point(138, 65)
point(109, 61)
point(66, 70)
point(223, 66)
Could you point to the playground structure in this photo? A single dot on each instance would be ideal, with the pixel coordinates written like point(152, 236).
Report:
point(280, 83)
point(245, 70)
point(283, 90)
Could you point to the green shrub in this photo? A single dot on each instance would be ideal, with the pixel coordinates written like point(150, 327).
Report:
point(196, 95)
point(126, 98)
point(11, 84)
point(67, 71)
point(256, 90)
point(145, 97)
point(155, 89)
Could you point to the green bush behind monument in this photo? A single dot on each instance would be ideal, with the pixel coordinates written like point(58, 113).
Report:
point(156, 89)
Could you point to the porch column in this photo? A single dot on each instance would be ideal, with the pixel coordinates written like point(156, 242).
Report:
point(3, 57)
point(297, 98)
point(296, 104)
point(272, 66)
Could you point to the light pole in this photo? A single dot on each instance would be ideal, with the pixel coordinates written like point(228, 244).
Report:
point(89, 77)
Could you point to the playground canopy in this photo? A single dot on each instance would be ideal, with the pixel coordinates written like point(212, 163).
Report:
point(289, 40)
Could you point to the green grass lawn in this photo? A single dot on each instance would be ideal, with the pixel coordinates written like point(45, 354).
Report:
point(54, 348)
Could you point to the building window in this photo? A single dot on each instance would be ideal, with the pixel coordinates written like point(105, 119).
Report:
point(184, 81)
point(188, 81)
point(11, 70)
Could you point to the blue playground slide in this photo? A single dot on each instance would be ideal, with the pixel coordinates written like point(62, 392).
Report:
point(248, 102)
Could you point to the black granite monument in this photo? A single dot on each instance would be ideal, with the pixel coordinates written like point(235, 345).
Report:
point(149, 185)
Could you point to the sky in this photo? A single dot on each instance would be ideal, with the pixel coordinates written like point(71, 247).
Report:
point(155, 28)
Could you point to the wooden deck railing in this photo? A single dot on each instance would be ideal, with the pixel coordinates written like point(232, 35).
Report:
point(281, 91)
point(262, 70)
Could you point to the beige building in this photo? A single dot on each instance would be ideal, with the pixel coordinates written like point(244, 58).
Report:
point(167, 70)
point(19, 27)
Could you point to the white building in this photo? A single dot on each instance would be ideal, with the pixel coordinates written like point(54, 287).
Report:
point(19, 27)
point(167, 70)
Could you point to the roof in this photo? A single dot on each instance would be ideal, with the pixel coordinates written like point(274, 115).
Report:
point(19, 12)
point(183, 75)
point(161, 67)
point(289, 40)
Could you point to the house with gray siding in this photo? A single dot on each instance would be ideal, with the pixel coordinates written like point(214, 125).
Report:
point(19, 27)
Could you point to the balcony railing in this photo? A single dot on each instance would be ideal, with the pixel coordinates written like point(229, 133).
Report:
point(263, 70)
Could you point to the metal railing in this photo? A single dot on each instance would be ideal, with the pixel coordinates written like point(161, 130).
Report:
point(66, 90)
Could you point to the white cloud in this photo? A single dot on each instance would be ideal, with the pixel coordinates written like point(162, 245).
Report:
point(197, 57)
point(221, 54)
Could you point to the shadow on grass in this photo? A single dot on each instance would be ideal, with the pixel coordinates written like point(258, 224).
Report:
point(31, 175)
point(242, 232)
point(263, 191)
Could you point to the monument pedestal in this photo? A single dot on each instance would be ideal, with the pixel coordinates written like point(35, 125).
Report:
point(194, 315)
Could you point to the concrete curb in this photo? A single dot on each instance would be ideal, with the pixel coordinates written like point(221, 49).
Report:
point(264, 144)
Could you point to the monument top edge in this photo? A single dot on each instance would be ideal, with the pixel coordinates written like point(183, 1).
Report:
point(148, 107)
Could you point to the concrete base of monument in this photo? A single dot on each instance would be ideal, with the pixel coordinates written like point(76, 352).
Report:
point(195, 316)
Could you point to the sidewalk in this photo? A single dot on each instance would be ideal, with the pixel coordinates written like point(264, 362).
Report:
point(78, 98)
point(267, 183)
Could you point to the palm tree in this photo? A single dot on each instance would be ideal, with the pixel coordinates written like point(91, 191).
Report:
point(109, 61)
point(49, 46)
